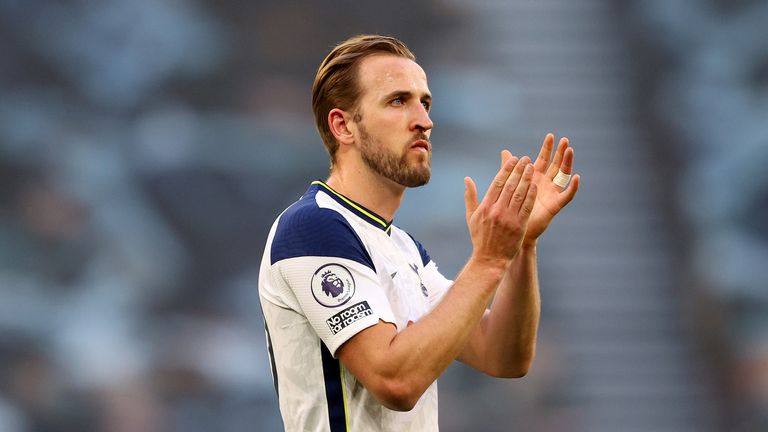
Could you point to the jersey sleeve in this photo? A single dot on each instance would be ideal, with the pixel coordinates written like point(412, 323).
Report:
point(437, 284)
point(323, 262)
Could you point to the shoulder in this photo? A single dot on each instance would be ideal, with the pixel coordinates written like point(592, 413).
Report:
point(306, 229)
point(408, 238)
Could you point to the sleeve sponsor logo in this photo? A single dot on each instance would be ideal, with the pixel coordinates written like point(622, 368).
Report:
point(332, 285)
point(348, 316)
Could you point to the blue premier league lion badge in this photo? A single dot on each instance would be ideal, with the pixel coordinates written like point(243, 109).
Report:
point(333, 285)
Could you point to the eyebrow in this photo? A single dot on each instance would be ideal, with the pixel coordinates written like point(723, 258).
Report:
point(406, 94)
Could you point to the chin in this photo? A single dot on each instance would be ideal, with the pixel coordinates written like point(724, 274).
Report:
point(418, 180)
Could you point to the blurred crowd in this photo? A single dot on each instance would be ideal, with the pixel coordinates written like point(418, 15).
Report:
point(707, 87)
point(146, 147)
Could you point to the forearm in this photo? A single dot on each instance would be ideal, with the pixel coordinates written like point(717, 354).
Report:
point(398, 367)
point(509, 330)
point(418, 355)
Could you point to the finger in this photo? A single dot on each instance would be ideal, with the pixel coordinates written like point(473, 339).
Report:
point(527, 208)
point(470, 197)
point(496, 186)
point(518, 197)
point(567, 195)
point(545, 154)
point(512, 181)
point(563, 176)
point(505, 155)
point(555, 166)
point(567, 165)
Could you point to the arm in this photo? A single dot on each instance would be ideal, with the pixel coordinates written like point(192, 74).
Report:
point(504, 343)
point(398, 367)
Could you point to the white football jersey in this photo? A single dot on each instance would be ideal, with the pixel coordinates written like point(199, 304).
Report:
point(332, 268)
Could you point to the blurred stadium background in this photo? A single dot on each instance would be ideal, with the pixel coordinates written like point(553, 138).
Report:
point(147, 145)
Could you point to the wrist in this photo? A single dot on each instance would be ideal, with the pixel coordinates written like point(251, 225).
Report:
point(493, 268)
point(529, 245)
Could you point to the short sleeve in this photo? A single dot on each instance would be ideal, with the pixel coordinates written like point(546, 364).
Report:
point(323, 262)
point(437, 284)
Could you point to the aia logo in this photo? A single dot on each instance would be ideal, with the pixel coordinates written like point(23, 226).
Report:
point(332, 285)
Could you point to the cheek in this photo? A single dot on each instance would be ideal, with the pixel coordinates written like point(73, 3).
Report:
point(386, 126)
point(395, 116)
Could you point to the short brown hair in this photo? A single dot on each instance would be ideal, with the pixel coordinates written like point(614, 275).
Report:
point(336, 83)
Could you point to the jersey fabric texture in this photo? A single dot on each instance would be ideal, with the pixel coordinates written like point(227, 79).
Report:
point(332, 268)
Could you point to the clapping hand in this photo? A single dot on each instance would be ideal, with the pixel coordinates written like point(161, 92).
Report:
point(551, 197)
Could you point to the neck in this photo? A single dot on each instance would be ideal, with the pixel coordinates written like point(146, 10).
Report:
point(369, 189)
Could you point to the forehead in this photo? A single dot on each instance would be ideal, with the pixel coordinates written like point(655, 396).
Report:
point(383, 73)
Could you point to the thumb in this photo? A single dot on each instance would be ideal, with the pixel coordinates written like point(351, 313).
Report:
point(470, 197)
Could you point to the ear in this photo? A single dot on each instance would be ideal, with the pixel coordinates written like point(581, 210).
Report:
point(339, 122)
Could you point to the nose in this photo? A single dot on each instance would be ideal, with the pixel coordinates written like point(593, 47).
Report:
point(421, 120)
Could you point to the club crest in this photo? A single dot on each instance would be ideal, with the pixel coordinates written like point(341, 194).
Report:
point(415, 269)
point(332, 285)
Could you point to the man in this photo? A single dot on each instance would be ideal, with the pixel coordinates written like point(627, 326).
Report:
point(359, 321)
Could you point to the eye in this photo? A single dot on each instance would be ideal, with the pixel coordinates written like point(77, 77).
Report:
point(397, 101)
point(426, 105)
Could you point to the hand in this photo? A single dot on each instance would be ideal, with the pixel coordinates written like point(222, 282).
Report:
point(498, 224)
point(551, 198)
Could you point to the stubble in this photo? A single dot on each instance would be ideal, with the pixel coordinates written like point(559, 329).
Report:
point(391, 165)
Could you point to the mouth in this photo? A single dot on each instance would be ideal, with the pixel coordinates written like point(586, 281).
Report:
point(421, 144)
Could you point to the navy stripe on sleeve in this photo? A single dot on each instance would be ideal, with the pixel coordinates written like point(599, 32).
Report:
point(272, 360)
point(306, 229)
point(333, 391)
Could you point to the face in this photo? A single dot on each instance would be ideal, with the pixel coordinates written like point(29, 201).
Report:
point(393, 126)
